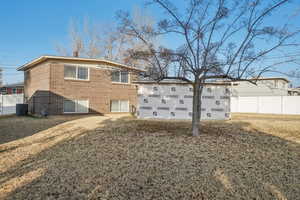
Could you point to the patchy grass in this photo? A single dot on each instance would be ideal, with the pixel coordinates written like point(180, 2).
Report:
point(248, 157)
point(13, 127)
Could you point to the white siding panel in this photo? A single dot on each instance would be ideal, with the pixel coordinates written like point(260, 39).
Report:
point(178, 102)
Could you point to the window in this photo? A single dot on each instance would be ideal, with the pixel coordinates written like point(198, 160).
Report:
point(120, 77)
point(76, 106)
point(3, 91)
point(14, 90)
point(124, 77)
point(82, 73)
point(76, 72)
point(119, 106)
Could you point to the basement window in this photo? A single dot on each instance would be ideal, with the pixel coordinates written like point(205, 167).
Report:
point(76, 72)
point(76, 106)
point(119, 106)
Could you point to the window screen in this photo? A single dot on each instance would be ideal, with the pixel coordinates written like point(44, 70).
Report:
point(82, 73)
point(82, 106)
point(120, 76)
point(119, 106)
point(115, 76)
point(76, 106)
point(124, 77)
point(70, 71)
point(114, 107)
point(69, 106)
point(124, 106)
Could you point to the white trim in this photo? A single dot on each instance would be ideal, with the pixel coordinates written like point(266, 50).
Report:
point(44, 58)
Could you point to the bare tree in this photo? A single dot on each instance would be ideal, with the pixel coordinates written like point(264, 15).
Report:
point(226, 39)
point(106, 40)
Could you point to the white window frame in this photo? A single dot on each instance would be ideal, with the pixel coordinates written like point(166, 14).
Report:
point(77, 67)
point(119, 102)
point(76, 106)
point(120, 78)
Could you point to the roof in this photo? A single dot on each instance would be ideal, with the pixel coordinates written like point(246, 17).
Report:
point(21, 84)
point(175, 81)
point(66, 58)
point(294, 89)
point(270, 78)
point(260, 78)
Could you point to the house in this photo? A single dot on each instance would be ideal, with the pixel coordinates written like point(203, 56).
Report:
point(172, 99)
point(15, 88)
point(66, 85)
point(294, 91)
point(275, 86)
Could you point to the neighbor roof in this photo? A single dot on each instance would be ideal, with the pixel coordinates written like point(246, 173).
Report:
point(176, 81)
point(65, 58)
point(270, 78)
point(21, 84)
point(260, 78)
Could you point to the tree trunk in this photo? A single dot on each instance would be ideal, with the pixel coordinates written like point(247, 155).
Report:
point(196, 108)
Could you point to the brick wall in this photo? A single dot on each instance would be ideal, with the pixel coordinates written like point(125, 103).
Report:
point(49, 90)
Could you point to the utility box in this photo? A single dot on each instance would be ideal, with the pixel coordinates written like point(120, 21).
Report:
point(21, 109)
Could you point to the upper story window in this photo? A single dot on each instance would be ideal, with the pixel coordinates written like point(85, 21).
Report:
point(120, 77)
point(76, 72)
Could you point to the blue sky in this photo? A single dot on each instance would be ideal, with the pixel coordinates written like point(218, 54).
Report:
point(31, 28)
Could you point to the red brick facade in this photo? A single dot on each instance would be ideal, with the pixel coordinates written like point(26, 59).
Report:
point(46, 88)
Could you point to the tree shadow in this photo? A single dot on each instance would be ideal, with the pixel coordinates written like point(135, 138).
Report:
point(127, 158)
point(14, 128)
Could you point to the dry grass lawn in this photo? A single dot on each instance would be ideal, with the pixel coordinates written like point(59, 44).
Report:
point(95, 157)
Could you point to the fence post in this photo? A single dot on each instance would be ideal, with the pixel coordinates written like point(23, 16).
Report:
point(1, 104)
point(281, 105)
point(257, 104)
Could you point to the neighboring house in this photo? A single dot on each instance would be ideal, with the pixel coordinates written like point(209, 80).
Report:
point(63, 85)
point(15, 88)
point(294, 91)
point(174, 100)
point(263, 87)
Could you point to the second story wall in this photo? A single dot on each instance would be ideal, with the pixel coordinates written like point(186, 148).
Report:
point(36, 79)
point(98, 89)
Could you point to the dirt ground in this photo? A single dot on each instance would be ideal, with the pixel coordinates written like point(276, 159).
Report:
point(119, 157)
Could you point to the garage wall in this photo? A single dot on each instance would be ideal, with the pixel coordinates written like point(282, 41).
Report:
point(174, 101)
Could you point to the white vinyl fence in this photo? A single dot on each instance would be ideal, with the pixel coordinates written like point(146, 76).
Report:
point(8, 103)
point(266, 104)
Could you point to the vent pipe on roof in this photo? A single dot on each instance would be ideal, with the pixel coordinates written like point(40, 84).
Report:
point(75, 54)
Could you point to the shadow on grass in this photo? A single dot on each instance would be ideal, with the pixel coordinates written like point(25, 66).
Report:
point(14, 128)
point(128, 158)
